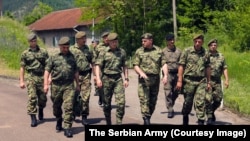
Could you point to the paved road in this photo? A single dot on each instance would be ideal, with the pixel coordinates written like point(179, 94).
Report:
point(15, 123)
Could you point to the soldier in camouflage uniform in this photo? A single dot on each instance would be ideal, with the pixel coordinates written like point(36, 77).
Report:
point(172, 54)
point(83, 56)
point(33, 63)
point(148, 62)
point(113, 61)
point(194, 77)
point(218, 68)
point(62, 69)
point(97, 50)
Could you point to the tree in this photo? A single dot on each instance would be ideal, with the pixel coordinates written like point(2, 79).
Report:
point(37, 13)
point(130, 19)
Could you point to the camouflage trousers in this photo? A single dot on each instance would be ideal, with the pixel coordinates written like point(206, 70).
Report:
point(217, 95)
point(63, 95)
point(170, 93)
point(85, 85)
point(195, 93)
point(113, 85)
point(148, 92)
point(36, 95)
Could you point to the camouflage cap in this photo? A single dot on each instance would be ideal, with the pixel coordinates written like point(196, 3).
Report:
point(105, 34)
point(147, 36)
point(198, 36)
point(80, 34)
point(212, 41)
point(112, 36)
point(31, 36)
point(169, 37)
point(64, 41)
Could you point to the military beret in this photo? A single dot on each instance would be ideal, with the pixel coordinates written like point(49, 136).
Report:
point(198, 36)
point(169, 37)
point(112, 36)
point(212, 41)
point(105, 34)
point(80, 34)
point(147, 36)
point(31, 36)
point(64, 41)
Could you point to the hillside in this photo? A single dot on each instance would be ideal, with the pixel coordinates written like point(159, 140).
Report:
point(20, 7)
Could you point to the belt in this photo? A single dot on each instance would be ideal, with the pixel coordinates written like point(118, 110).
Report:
point(152, 75)
point(85, 72)
point(62, 82)
point(172, 70)
point(114, 76)
point(36, 73)
point(216, 79)
point(194, 78)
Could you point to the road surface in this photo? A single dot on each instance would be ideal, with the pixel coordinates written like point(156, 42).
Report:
point(15, 123)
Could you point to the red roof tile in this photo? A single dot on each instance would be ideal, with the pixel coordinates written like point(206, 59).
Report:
point(63, 19)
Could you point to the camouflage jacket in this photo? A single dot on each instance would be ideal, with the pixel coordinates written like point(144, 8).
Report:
point(34, 61)
point(97, 50)
point(111, 62)
point(149, 60)
point(62, 67)
point(83, 57)
point(194, 62)
point(218, 64)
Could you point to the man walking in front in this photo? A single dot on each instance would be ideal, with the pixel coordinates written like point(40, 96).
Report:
point(148, 62)
point(33, 61)
point(62, 69)
point(113, 61)
point(194, 76)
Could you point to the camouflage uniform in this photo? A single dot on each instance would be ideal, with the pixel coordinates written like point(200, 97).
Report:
point(194, 80)
point(100, 48)
point(83, 56)
point(173, 56)
point(150, 62)
point(34, 63)
point(218, 64)
point(62, 69)
point(112, 63)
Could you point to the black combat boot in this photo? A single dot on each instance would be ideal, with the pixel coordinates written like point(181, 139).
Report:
point(146, 120)
point(209, 121)
point(59, 124)
point(108, 121)
point(185, 119)
point(171, 114)
point(33, 120)
point(100, 100)
point(40, 113)
point(68, 133)
point(84, 120)
point(200, 122)
point(213, 117)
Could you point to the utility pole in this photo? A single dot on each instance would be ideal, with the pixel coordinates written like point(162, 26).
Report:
point(1, 8)
point(174, 18)
point(93, 28)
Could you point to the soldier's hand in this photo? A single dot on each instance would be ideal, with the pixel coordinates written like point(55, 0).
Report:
point(22, 85)
point(165, 80)
point(226, 84)
point(99, 83)
point(143, 75)
point(46, 89)
point(178, 86)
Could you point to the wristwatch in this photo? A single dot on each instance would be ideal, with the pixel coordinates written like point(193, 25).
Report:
point(126, 79)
